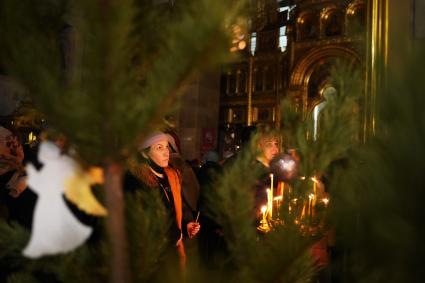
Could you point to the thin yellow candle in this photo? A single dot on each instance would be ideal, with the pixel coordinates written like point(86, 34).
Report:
point(269, 201)
point(271, 195)
point(310, 205)
point(325, 201)
point(263, 211)
point(278, 201)
point(282, 191)
point(314, 189)
point(303, 211)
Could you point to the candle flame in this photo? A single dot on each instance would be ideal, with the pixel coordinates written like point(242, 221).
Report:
point(311, 196)
point(263, 209)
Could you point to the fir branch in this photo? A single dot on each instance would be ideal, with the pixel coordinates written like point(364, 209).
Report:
point(230, 202)
point(339, 124)
point(106, 96)
point(13, 239)
point(147, 227)
point(378, 198)
point(289, 252)
point(22, 277)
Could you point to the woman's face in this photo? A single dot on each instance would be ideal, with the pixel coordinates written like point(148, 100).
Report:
point(160, 153)
point(269, 149)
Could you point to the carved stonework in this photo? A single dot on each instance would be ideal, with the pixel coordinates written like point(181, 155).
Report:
point(319, 33)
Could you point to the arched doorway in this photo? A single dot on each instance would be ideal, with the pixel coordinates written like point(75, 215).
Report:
point(327, 92)
point(312, 74)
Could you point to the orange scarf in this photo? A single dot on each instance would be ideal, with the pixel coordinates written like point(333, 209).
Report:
point(174, 180)
point(144, 174)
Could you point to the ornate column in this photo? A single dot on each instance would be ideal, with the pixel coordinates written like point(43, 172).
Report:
point(249, 105)
point(376, 60)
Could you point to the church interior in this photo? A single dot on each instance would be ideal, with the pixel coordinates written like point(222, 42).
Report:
point(284, 48)
point(332, 178)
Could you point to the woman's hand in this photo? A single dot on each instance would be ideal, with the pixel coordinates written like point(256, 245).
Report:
point(16, 185)
point(193, 229)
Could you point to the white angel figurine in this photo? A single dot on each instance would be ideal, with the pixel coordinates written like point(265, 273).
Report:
point(55, 229)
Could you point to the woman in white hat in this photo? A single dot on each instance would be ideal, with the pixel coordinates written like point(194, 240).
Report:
point(154, 173)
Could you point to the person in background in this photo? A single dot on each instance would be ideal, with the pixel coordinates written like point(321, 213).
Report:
point(12, 179)
point(155, 174)
point(212, 246)
point(246, 135)
point(268, 144)
point(189, 182)
point(11, 168)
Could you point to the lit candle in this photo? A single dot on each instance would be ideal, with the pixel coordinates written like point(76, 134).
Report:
point(325, 201)
point(278, 200)
point(282, 188)
point(269, 201)
point(271, 195)
point(263, 211)
point(314, 189)
point(303, 211)
point(310, 205)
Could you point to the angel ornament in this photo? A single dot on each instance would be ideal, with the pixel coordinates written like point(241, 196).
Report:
point(55, 229)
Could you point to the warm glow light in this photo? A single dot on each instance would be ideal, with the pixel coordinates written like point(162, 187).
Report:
point(238, 36)
point(96, 173)
point(314, 180)
point(311, 196)
point(325, 201)
point(241, 45)
point(278, 198)
point(263, 209)
point(32, 137)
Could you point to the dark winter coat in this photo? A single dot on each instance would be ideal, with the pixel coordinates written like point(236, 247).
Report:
point(142, 178)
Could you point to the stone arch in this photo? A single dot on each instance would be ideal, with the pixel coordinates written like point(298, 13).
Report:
point(307, 25)
point(320, 58)
point(306, 65)
point(332, 21)
point(356, 17)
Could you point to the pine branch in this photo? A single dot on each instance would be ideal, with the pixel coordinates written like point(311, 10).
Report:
point(147, 228)
point(13, 239)
point(280, 256)
point(22, 277)
point(106, 95)
point(378, 198)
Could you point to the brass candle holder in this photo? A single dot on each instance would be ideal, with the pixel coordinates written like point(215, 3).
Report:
point(264, 224)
